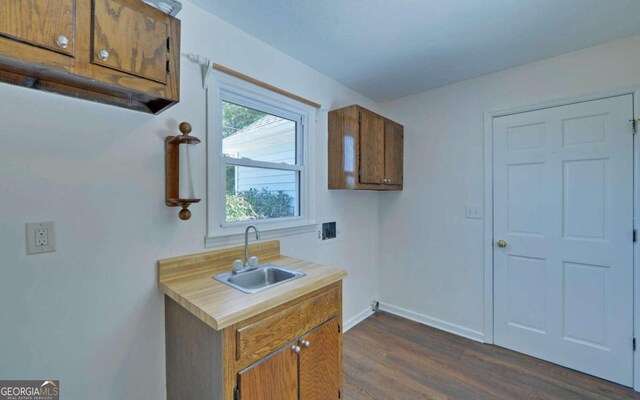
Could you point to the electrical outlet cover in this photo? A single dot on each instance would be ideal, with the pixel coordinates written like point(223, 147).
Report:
point(41, 237)
point(473, 211)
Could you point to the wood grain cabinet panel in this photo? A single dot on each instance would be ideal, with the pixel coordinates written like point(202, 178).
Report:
point(276, 377)
point(320, 363)
point(371, 147)
point(393, 152)
point(48, 24)
point(260, 338)
point(131, 39)
point(119, 52)
point(365, 150)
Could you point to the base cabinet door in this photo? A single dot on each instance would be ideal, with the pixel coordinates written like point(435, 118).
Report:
point(276, 377)
point(320, 377)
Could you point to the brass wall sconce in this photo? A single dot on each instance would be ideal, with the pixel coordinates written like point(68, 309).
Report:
point(179, 159)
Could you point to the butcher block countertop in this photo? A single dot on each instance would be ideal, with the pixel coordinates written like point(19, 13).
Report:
point(188, 280)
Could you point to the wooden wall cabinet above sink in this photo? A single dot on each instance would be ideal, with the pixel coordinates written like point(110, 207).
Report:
point(118, 52)
point(365, 150)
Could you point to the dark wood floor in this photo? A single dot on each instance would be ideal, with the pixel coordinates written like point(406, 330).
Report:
point(391, 358)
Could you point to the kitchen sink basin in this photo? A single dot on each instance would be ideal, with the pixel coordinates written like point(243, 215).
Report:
point(264, 277)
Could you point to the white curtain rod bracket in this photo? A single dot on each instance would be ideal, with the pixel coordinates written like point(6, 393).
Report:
point(205, 66)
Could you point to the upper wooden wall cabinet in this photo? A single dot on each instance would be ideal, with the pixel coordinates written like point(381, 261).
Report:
point(120, 52)
point(365, 150)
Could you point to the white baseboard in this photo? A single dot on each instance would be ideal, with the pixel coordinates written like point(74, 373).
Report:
point(434, 322)
point(361, 316)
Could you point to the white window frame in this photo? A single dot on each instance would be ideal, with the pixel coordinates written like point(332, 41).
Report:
point(227, 88)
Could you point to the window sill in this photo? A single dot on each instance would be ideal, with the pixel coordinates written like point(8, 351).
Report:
point(265, 234)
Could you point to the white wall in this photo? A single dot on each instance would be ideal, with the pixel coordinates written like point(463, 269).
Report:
point(431, 256)
point(90, 314)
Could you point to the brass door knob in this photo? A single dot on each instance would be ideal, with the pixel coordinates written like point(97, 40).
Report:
point(501, 243)
point(295, 349)
point(306, 343)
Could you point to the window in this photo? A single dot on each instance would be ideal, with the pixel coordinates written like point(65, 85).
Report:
point(258, 161)
point(259, 150)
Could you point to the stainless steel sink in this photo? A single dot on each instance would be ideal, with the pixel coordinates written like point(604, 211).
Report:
point(264, 277)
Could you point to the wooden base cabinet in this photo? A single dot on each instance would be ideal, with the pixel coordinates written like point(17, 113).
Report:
point(120, 52)
point(292, 352)
point(365, 150)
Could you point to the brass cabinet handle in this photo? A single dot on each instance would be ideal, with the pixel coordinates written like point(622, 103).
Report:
point(501, 243)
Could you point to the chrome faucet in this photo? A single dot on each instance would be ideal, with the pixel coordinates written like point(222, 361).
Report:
point(246, 243)
point(249, 263)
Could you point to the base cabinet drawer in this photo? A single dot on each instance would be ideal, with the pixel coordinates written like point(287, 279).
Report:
point(260, 338)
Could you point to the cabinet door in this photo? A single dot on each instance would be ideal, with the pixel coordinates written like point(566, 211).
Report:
point(393, 152)
point(44, 23)
point(371, 148)
point(320, 372)
point(276, 377)
point(131, 37)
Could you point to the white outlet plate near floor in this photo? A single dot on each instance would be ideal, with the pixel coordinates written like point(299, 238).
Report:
point(41, 237)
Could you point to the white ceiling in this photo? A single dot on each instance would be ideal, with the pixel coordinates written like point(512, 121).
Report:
point(387, 49)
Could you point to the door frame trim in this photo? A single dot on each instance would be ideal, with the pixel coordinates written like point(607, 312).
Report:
point(488, 207)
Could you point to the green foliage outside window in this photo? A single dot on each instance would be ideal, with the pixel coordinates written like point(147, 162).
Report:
point(258, 204)
point(238, 209)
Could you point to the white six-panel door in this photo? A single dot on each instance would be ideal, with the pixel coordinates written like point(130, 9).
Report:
point(563, 205)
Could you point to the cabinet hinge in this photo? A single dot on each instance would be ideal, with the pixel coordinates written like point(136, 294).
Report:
point(236, 393)
point(634, 344)
point(339, 394)
point(359, 172)
point(635, 235)
point(168, 67)
point(634, 123)
point(339, 328)
point(169, 43)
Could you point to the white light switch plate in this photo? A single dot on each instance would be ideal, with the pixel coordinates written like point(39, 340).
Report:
point(473, 211)
point(41, 237)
